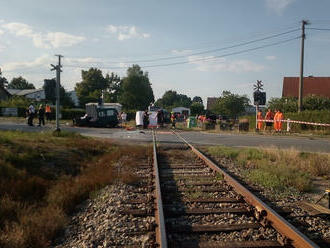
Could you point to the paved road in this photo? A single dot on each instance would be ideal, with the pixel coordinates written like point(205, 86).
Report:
point(201, 138)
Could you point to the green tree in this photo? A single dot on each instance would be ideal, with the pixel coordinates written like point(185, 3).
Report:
point(113, 90)
point(20, 83)
point(196, 108)
point(91, 87)
point(312, 102)
point(286, 104)
point(230, 104)
point(135, 91)
point(50, 90)
point(3, 81)
point(172, 99)
point(50, 93)
point(290, 104)
point(197, 99)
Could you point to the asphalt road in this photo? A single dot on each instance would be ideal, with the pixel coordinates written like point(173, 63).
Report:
point(308, 144)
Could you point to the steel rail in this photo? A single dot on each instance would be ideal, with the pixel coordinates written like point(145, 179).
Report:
point(161, 237)
point(296, 238)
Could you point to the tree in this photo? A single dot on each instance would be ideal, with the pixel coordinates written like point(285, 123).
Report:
point(230, 104)
point(91, 86)
point(196, 108)
point(50, 90)
point(286, 104)
point(20, 83)
point(290, 104)
point(197, 99)
point(50, 93)
point(113, 88)
point(3, 81)
point(136, 92)
point(172, 99)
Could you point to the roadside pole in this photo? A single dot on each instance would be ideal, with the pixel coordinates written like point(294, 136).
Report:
point(58, 83)
point(257, 110)
point(301, 78)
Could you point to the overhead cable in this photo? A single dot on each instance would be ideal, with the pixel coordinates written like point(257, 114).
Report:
point(204, 52)
point(200, 59)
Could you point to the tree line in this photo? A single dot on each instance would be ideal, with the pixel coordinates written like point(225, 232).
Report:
point(134, 92)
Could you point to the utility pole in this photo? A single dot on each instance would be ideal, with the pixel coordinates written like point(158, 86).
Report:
point(258, 87)
point(58, 83)
point(301, 79)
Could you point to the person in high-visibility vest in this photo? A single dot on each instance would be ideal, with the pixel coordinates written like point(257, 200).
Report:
point(259, 118)
point(269, 117)
point(48, 111)
point(278, 121)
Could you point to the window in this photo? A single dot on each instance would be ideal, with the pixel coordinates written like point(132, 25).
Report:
point(101, 114)
point(110, 112)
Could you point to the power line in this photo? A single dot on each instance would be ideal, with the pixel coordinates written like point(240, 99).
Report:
point(320, 29)
point(207, 51)
point(192, 47)
point(201, 59)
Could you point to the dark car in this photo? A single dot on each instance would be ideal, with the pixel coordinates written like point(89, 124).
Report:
point(98, 116)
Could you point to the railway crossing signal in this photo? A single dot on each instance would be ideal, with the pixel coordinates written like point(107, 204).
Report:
point(58, 70)
point(259, 98)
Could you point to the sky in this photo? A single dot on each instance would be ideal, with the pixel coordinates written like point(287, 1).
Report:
point(196, 47)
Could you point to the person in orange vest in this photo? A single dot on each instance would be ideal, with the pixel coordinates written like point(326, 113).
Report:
point(48, 112)
point(278, 121)
point(269, 117)
point(259, 118)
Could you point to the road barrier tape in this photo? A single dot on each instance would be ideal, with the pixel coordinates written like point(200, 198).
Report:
point(300, 122)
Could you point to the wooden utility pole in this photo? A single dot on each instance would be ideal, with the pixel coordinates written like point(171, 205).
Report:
point(58, 83)
point(301, 79)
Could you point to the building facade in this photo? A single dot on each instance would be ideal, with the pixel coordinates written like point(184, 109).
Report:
point(319, 86)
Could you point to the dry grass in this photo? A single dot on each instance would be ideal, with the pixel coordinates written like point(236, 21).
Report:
point(43, 177)
point(281, 170)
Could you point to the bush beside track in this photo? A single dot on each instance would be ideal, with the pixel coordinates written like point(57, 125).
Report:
point(44, 176)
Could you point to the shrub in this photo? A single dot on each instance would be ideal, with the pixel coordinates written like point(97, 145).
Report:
point(281, 170)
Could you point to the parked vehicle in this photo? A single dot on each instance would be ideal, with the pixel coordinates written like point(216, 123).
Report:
point(98, 116)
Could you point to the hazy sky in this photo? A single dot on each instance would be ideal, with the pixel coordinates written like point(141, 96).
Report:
point(113, 34)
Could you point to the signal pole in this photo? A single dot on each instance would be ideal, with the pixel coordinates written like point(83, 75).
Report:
point(301, 79)
point(257, 88)
point(58, 83)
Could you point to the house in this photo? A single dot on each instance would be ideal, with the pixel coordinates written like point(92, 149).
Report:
point(319, 86)
point(181, 110)
point(4, 94)
point(35, 94)
point(210, 101)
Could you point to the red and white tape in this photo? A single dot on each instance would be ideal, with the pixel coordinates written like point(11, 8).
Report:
point(301, 122)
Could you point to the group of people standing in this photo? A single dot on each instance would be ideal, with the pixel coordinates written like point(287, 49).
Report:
point(31, 112)
point(269, 119)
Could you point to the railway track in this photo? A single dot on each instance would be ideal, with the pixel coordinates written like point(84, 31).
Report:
point(199, 205)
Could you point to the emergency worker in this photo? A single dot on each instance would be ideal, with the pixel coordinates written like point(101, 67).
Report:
point(48, 112)
point(31, 114)
point(145, 119)
point(173, 119)
point(269, 117)
point(259, 119)
point(278, 118)
point(41, 115)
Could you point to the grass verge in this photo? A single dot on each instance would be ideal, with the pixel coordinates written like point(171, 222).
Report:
point(280, 170)
point(44, 176)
